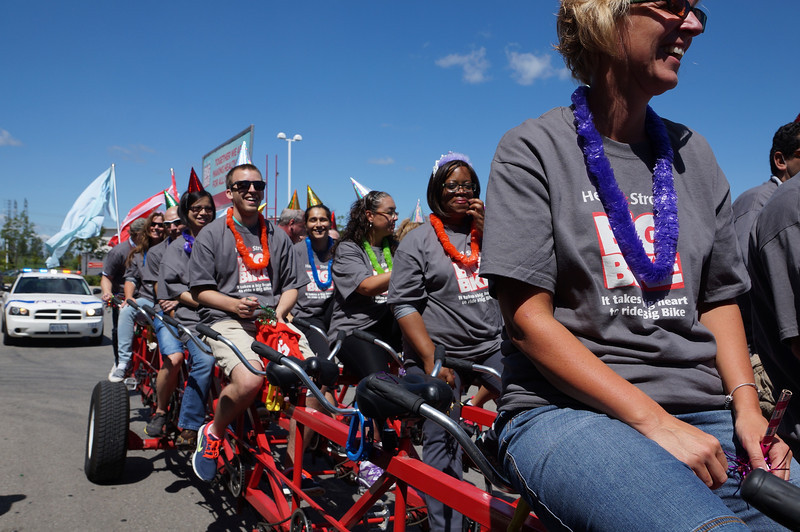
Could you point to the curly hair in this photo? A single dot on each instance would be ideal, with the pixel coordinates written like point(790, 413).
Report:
point(357, 224)
point(587, 30)
point(787, 141)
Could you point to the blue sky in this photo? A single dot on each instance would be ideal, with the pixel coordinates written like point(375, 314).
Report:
point(378, 90)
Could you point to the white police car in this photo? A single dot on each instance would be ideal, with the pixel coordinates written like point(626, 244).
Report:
point(51, 304)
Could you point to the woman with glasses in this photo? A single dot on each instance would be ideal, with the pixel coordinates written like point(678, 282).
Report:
point(361, 269)
point(314, 255)
point(610, 245)
point(439, 298)
point(196, 210)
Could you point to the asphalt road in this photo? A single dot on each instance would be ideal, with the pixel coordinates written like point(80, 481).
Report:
point(45, 388)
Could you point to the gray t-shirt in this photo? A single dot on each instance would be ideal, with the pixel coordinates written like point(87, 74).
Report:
point(216, 262)
point(155, 255)
point(453, 300)
point(133, 274)
point(545, 226)
point(352, 310)
point(173, 280)
point(745, 210)
point(114, 265)
point(312, 301)
point(775, 271)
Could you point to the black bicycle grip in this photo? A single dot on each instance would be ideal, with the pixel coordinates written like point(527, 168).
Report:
point(205, 330)
point(133, 303)
point(149, 309)
point(300, 322)
point(363, 335)
point(396, 394)
point(774, 497)
point(169, 320)
point(266, 352)
point(439, 353)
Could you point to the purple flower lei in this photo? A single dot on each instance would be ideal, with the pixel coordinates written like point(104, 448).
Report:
point(322, 286)
point(665, 201)
point(187, 246)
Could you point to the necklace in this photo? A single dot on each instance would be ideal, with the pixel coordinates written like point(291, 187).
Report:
point(327, 284)
point(450, 249)
point(189, 242)
point(242, 249)
point(665, 201)
point(387, 254)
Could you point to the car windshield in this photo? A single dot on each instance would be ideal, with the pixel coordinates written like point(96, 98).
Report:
point(45, 285)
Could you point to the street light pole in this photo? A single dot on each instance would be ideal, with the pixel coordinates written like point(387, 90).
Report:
point(296, 138)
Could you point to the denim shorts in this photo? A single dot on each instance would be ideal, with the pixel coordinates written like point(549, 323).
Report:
point(582, 470)
point(167, 344)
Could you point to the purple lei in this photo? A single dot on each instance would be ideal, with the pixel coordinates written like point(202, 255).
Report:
point(665, 201)
point(187, 246)
point(327, 284)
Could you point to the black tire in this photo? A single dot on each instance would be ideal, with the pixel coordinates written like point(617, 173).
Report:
point(95, 340)
point(107, 432)
point(300, 522)
point(7, 338)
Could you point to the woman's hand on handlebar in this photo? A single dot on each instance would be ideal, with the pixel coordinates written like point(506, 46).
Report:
point(750, 428)
point(700, 451)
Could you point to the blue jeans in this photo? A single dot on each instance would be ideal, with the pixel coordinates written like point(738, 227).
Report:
point(581, 470)
point(193, 406)
point(167, 343)
point(125, 325)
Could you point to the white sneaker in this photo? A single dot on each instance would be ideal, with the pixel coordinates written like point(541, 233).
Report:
point(117, 374)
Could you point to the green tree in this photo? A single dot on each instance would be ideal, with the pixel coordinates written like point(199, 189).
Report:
point(93, 246)
point(22, 247)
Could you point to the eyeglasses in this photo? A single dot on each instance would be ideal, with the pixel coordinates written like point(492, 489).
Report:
point(173, 222)
point(243, 186)
point(389, 214)
point(157, 224)
point(680, 8)
point(452, 186)
point(197, 209)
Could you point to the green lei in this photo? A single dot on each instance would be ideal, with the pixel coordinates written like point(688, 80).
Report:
point(387, 254)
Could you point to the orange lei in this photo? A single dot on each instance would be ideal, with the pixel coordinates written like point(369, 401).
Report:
point(450, 249)
point(242, 249)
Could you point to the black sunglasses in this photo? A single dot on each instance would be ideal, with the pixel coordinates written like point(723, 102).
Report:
point(680, 8)
point(157, 224)
point(173, 222)
point(243, 186)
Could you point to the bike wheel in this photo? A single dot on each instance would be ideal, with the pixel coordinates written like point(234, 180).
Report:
point(300, 522)
point(107, 432)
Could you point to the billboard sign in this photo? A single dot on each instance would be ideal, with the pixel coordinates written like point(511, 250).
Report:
point(219, 161)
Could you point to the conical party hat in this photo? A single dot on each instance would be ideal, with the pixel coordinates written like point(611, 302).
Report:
point(194, 182)
point(295, 203)
point(169, 200)
point(417, 217)
point(360, 189)
point(312, 200)
point(244, 157)
point(333, 220)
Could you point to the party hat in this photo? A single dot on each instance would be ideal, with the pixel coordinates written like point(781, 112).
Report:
point(312, 200)
point(169, 200)
point(262, 207)
point(360, 189)
point(333, 220)
point(417, 217)
point(244, 157)
point(194, 182)
point(295, 203)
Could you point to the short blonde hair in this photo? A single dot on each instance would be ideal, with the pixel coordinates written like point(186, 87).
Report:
point(587, 30)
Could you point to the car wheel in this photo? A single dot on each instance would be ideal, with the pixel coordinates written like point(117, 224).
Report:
point(96, 340)
point(107, 432)
point(7, 338)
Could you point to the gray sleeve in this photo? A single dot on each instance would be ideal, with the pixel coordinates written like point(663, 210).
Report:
point(780, 261)
point(349, 268)
point(517, 211)
point(201, 263)
point(726, 275)
point(407, 284)
point(132, 272)
point(289, 273)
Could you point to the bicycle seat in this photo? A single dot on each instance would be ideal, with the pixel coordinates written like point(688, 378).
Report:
point(382, 395)
point(323, 372)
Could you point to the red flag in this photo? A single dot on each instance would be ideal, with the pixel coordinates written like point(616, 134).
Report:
point(140, 211)
point(194, 182)
point(797, 119)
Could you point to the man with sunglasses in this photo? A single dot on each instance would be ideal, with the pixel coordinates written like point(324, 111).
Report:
point(173, 223)
point(680, 8)
point(773, 255)
point(239, 263)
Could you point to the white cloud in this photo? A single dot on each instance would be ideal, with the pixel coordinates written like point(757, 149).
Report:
point(383, 161)
point(527, 67)
point(474, 65)
point(134, 152)
point(7, 140)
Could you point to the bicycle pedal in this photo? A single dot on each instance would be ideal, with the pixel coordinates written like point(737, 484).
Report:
point(130, 383)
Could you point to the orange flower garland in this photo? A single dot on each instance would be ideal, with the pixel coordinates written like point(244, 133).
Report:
point(450, 249)
point(242, 249)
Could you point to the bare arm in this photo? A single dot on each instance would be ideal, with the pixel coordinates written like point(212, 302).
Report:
point(286, 302)
point(244, 307)
point(374, 285)
point(733, 363)
point(577, 372)
point(105, 286)
point(415, 333)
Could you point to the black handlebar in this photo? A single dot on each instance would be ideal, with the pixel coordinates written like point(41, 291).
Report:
point(363, 335)
point(266, 352)
point(205, 330)
point(774, 497)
